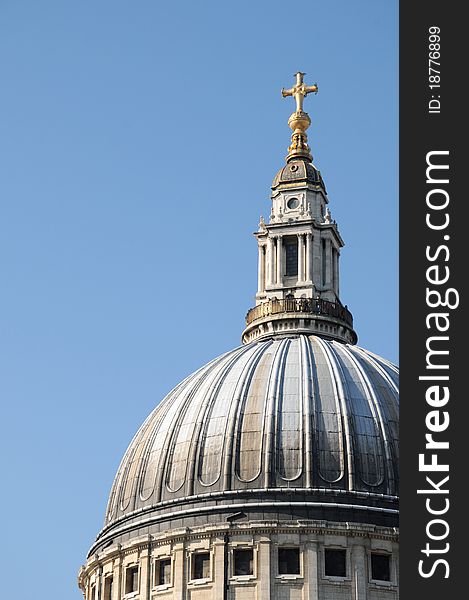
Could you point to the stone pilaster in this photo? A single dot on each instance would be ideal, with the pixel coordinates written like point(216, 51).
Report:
point(145, 573)
point(99, 583)
point(115, 581)
point(118, 593)
point(311, 571)
point(179, 571)
point(264, 567)
point(218, 568)
point(358, 568)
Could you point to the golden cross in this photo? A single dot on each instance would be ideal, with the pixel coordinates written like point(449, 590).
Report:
point(300, 91)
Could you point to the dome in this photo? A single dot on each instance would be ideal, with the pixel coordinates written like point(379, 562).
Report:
point(297, 421)
point(296, 171)
point(272, 471)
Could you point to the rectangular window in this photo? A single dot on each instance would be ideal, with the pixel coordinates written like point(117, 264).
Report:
point(291, 257)
point(163, 571)
point(243, 561)
point(380, 567)
point(108, 588)
point(131, 580)
point(201, 565)
point(334, 563)
point(93, 593)
point(289, 561)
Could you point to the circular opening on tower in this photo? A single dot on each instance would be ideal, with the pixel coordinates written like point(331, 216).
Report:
point(293, 203)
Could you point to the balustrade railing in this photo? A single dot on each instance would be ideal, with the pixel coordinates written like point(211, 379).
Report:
point(311, 306)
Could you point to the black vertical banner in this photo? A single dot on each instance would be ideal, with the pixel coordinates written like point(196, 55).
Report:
point(434, 264)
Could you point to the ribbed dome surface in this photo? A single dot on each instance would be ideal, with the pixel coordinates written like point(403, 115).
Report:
point(296, 171)
point(298, 412)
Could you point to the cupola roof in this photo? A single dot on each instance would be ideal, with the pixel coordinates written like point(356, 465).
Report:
point(296, 172)
point(299, 422)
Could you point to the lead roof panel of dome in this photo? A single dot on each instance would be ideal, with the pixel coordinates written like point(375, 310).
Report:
point(297, 412)
point(296, 171)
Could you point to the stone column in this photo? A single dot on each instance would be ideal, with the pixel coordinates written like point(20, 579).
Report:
point(311, 570)
point(309, 256)
point(328, 250)
point(260, 279)
point(358, 567)
point(279, 260)
point(263, 266)
point(271, 261)
point(317, 265)
point(261, 270)
point(332, 267)
point(264, 575)
point(301, 257)
point(337, 288)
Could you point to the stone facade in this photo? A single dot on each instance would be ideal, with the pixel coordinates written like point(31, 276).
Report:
point(218, 546)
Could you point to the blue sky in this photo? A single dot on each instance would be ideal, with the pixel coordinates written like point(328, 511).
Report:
point(138, 144)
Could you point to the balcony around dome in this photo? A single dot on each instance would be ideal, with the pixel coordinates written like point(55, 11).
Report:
point(318, 316)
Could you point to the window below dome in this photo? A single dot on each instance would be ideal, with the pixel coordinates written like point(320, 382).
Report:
point(289, 561)
point(243, 561)
point(335, 563)
point(380, 567)
point(131, 580)
point(108, 588)
point(201, 565)
point(163, 571)
point(93, 593)
point(291, 256)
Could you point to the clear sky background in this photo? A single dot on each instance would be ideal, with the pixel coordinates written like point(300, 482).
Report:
point(138, 142)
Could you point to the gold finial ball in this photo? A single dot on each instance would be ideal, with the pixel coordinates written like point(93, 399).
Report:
point(299, 121)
